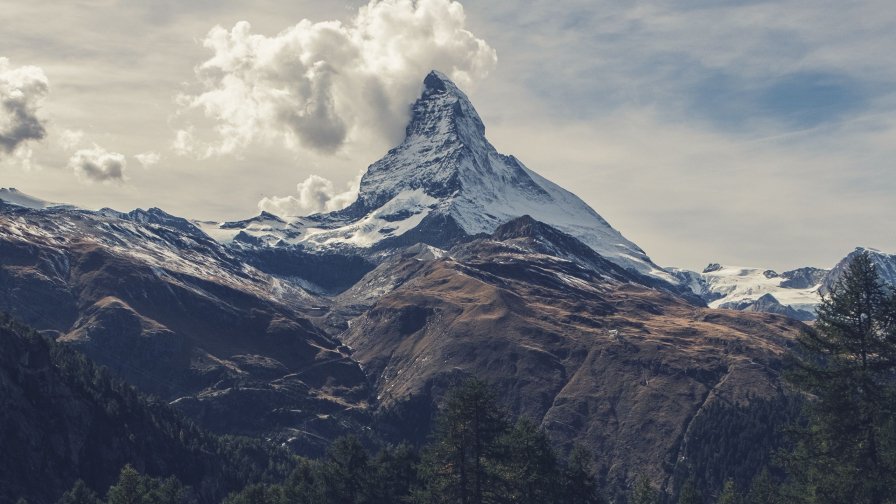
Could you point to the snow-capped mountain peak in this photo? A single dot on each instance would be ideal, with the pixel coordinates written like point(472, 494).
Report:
point(739, 287)
point(445, 181)
point(13, 196)
point(884, 263)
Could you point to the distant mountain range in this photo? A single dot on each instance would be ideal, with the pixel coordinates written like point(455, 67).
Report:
point(793, 293)
point(454, 261)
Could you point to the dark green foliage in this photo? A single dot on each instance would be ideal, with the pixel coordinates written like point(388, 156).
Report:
point(578, 483)
point(65, 419)
point(729, 494)
point(259, 494)
point(736, 441)
point(689, 493)
point(346, 475)
point(644, 493)
point(460, 464)
point(395, 473)
point(847, 450)
point(79, 494)
point(476, 457)
point(135, 488)
point(763, 490)
point(527, 465)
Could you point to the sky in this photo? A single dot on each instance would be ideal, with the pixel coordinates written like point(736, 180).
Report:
point(751, 133)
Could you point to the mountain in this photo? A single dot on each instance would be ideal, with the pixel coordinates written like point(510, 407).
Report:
point(884, 263)
point(589, 352)
point(443, 184)
point(181, 316)
point(792, 293)
point(455, 261)
point(12, 196)
point(65, 419)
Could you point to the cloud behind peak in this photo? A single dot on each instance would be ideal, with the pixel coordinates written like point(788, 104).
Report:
point(316, 86)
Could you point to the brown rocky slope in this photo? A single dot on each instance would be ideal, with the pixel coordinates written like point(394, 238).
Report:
point(584, 348)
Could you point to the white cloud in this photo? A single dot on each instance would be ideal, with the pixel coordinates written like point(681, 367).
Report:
point(315, 194)
point(148, 159)
point(98, 165)
point(319, 85)
point(69, 139)
point(22, 90)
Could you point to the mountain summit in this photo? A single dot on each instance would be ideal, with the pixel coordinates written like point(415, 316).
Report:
point(444, 182)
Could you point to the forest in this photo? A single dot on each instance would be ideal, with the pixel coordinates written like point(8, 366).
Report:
point(830, 438)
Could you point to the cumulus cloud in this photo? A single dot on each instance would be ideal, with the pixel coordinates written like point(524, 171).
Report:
point(98, 165)
point(22, 90)
point(314, 194)
point(319, 85)
point(148, 159)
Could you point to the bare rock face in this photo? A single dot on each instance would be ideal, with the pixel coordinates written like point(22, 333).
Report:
point(597, 358)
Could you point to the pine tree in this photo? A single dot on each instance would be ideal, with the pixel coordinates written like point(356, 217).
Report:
point(689, 493)
point(528, 465)
point(458, 466)
point(257, 494)
point(395, 473)
point(644, 493)
point(729, 494)
point(135, 488)
point(763, 490)
point(80, 493)
point(346, 473)
point(579, 484)
point(130, 488)
point(847, 365)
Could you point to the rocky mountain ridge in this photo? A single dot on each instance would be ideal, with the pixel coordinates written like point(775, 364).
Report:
point(444, 183)
point(456, 261)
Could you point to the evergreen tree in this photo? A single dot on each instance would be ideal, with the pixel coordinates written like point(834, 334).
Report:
point(80, 493)
point(528, 465)
point(847, 365)
point(458, 465)
point(345, 475)
point(395, 473)
point(135, 488)
point(763, 490)
point(258, 494)
point(644, 493)
point(729, 494)
point(689, 493)
point(300, 486)
point(579, 484)
point(130, 488)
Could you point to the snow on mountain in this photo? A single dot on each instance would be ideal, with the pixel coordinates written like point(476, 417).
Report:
point(884, 263)
point(172, 246)
point(757, 289)
point(13, 196)
point(740, 288)
point(445, 179)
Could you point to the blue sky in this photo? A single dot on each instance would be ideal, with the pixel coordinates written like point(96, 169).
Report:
point(754, 133)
